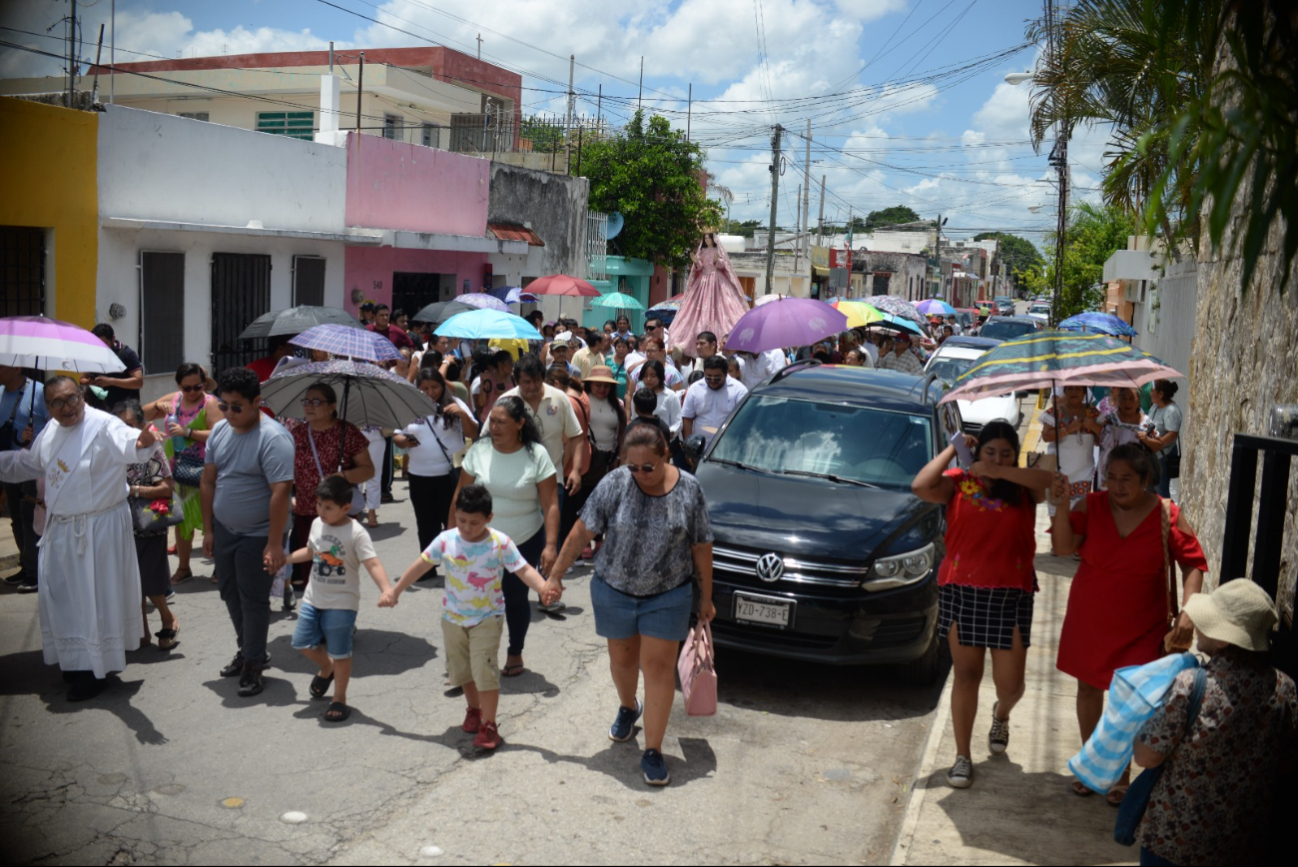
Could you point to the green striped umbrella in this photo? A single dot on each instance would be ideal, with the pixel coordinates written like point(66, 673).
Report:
point(1049, 358)
point(617, 300)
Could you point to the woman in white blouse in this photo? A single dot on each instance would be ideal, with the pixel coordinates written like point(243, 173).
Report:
point(431, 443)
point(653, 377)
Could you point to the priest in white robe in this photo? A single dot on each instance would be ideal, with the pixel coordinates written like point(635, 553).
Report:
point(89, 574)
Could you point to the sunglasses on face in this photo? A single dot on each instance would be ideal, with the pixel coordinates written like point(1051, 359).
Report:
point(645, 468)
point(232, 408)
point(314, 402)
point(191, 389)
point(652, 327)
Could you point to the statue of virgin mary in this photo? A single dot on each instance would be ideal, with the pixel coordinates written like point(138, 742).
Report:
point(713, 299)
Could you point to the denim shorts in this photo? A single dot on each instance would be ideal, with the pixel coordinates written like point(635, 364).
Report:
point(329, 626)
point(619, 616)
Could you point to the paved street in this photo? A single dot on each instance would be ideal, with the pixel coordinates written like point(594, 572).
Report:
point(801, 764)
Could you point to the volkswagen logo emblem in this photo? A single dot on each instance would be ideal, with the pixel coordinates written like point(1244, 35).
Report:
point(770, 568)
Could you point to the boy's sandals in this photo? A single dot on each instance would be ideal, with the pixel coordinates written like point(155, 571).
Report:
point(1081, 790)
point(180, 576)
point(337, 712)
point(167, 637)
point(1116, 793)
point(320, 685)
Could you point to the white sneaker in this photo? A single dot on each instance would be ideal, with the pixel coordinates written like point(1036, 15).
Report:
point(961, 774)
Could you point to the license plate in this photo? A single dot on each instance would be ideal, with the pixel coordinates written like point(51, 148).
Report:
point(763, 609)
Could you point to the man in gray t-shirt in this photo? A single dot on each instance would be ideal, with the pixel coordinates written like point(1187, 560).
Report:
point(246, 486)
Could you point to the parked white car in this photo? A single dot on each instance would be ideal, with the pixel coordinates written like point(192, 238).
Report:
point(953, 358)
point(1040, 310)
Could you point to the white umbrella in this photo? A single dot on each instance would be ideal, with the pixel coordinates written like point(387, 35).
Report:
point(50, 344)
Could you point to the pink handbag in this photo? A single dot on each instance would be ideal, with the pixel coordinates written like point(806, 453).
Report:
point(698, 673)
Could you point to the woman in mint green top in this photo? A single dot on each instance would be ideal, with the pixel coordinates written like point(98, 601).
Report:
point(515, 468)
point(617, 363)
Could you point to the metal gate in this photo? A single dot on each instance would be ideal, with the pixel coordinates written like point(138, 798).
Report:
point(240, 293)
point(412, 291)
point(22, 271)
point(308, 280)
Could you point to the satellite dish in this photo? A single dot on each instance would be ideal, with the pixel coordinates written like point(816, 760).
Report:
point(615, 223)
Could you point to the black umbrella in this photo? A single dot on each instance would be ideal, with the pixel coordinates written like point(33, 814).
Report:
point(295, 320)
point(440, 311)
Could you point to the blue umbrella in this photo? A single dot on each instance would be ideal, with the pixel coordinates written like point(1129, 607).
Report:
point(487, 325)
point(1104, 323)
point(346, 341)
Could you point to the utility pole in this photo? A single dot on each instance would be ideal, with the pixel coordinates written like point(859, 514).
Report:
point(567, 124)
point(937, 256)
point(640, 96)
point(599, 110)
point(806, 193)
point(94, 93)
point(479, 46)
point(360, 88)
point(797, 232)
point(775, 201)
point(72, 54)
point(820, 221)
point(112, 51)
point(689, 112)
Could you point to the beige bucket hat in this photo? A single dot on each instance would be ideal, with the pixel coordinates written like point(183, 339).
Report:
point(1238, 612)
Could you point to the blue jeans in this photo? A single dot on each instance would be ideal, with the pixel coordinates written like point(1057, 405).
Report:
point(329, 626)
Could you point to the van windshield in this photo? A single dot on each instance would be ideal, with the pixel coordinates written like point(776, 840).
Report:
point(784, 435)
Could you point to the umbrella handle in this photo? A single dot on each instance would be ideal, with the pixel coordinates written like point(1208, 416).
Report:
point(342, 428)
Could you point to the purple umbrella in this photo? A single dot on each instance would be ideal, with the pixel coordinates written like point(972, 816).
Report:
point(347, 342)
point(786, 322)
point(483, 301)
point(51, 344)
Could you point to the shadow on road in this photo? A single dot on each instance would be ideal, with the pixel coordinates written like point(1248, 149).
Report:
point(379, 651)
point(621, 762)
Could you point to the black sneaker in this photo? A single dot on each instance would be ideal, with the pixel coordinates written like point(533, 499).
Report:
point(171, 597)
point(86, 688)
point(624, 726)
point(290, 598)
point(236, 666)
point(655, 768)
point(16, 579)
point(252, 682)
point(28, 588)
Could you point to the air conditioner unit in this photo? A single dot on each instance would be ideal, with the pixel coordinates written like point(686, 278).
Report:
point(1134, 291)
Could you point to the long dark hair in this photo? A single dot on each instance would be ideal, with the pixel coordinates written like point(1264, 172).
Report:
point(514, 406)
point(657, 367)
point(1002, 489)
point(432, 374)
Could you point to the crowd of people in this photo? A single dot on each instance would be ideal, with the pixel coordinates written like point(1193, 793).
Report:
point(539, 455)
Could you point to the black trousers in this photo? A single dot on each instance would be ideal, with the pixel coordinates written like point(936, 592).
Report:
point(22, 512)
point(430, 496)
point(386, 479)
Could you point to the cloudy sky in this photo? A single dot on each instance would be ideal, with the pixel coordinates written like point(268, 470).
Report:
point(906, 97)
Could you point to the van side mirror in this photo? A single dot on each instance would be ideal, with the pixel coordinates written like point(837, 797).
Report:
point(694, 447)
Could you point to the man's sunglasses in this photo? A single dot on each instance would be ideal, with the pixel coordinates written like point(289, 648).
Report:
point(232, 408)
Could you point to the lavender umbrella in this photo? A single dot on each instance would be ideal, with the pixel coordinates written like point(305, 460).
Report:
point(51, 344)
point(483, 301)
point(347, 342)
point(786, 322)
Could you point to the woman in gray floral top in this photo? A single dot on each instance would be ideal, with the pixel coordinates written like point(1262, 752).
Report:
point(1215, 801)
point(657, 543)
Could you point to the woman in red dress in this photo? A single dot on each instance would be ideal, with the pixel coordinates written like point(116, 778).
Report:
point(986, 581)
point(1120, 605)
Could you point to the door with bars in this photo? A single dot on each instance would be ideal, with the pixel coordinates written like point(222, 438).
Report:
point(240, 293)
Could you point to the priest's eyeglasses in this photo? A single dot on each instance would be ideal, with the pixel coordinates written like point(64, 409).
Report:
point(70, 402)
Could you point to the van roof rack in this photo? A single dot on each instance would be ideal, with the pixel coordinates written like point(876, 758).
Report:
point(790, 368)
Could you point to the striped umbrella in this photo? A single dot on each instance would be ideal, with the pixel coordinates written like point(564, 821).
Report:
point(858, 313)
point(618, 301)
point(935, 307)
point(51, 344)
point(1050, 358)
point(1104, 323)
point(483, 301)
point(370, 395)
point(347, 342)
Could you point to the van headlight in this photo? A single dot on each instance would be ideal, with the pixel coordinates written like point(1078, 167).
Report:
point(900, 569)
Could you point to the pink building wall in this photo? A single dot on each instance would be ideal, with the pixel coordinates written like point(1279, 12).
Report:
point(370, 270)
point(394, 185)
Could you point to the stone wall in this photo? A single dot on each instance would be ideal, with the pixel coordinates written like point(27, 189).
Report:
point(553, 206)
point(1244, 361)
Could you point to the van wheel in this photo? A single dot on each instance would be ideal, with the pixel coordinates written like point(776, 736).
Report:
point(922, 671)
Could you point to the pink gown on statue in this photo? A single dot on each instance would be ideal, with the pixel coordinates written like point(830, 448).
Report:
point(713, 300)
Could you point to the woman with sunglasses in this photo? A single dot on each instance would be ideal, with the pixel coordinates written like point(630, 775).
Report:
point(658, 543)
point(317, 442)
point(190, 415)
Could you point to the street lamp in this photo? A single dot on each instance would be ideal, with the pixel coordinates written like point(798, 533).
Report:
point(1018, 77)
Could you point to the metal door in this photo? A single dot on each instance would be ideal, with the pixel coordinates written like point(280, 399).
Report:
point(240, 293)
point(412, 291)
point(308, 280)
point(22, 271)
point(162, 311)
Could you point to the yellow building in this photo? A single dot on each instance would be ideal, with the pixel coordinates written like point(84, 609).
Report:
point(49, 213)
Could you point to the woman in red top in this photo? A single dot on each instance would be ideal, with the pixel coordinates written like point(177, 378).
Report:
point(1120, 604)
point(986, 580)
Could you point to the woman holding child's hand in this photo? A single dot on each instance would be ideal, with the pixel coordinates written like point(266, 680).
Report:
point(658, 543)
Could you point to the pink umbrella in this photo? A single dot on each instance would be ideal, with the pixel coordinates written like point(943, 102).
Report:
point(51, 344)
point(562, 284)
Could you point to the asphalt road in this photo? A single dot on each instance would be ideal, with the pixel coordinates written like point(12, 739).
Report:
point(801, 765)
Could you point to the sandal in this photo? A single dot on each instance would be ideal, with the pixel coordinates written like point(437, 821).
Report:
point(1081, 790)
point(167, 637)
point(180, 576)
point(512, 670)
point(337, 712)
point(320, 685)
point(1116, 793)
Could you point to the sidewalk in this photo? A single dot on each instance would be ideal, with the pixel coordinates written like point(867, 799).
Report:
point(1020, 809)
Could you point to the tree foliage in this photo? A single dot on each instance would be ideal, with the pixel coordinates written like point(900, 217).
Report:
point(1017, 254)
point(889, 217)
point(651, 175)
point(1094, 234)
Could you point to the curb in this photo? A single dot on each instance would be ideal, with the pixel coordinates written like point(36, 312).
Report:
point(919, 788)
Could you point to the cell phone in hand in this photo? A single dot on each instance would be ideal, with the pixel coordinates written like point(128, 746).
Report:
point(962, 452)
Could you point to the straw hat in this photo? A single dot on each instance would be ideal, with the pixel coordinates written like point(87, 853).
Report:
point(600, 373)
point(1238, 612)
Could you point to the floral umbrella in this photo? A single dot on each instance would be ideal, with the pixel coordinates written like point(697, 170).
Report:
point(897, 307)
point(483, 301)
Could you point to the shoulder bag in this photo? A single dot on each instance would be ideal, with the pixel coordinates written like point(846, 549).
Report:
point(358, 496)
point(697, 670)
point(1132, 809)
point(187, 469)
point(450, 459)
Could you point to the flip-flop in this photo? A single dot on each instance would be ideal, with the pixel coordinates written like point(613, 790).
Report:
point(1080, 789)
point(513, 670)
point(320, 685)
point(337, 712)
point(1116, 793)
